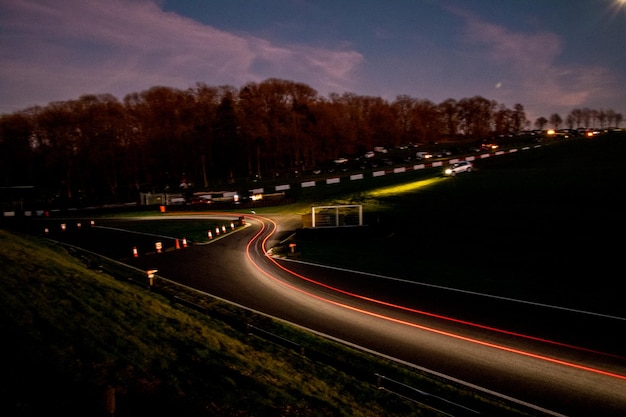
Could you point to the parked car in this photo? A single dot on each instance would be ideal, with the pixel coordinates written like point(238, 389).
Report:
point(423, 155)
point(489, 146)
point(458, 168)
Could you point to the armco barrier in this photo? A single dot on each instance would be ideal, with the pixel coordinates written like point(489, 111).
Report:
point(192, 299)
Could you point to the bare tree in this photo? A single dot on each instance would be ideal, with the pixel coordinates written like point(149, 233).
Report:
point(476, 116)
point(601, 116)
point(555, 120)
point(402, 106)
point(449, 113)
point(541, 123)
point(503, 120)
point(577, 118)
point(99, 148)
point(518, 117)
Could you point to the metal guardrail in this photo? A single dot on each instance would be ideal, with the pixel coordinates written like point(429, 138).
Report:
point(382, 382)
point(390, 385)
point(424, 398)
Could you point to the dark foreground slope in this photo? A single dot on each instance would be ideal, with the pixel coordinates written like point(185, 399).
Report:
point(71, 333)
point(544, 224)
point(79, 341)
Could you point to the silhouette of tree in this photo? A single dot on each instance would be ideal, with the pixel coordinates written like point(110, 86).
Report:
point(96, 148)
point(541, 123)
point(556, 120)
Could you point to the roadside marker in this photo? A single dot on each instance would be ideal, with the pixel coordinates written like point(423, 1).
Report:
point(210, 235)
point(135, 253)
point(151, 273)
point(158, 246)
point(184, 242)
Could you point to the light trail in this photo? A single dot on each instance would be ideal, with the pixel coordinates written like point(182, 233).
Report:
point(415, 325)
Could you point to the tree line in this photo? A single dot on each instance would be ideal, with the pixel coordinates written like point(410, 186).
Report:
point(99, 149)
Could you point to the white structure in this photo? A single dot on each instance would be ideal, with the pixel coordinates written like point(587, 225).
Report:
point(337, 216)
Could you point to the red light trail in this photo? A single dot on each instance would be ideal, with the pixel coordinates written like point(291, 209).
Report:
point(414, 325)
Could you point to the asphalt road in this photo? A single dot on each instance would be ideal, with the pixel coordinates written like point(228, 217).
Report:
point(569, 362)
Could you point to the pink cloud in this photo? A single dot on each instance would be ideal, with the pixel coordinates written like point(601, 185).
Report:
point(71, 47)
point(530, 61)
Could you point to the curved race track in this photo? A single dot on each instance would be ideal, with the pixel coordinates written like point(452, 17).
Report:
point(568, 362)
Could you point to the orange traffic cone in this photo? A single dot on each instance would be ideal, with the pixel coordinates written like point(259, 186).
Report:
point(177, 244)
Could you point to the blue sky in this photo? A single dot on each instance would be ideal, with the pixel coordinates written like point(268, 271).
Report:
point(549, 55)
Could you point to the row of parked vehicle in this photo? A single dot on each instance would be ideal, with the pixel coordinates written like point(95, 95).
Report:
point(381, 157)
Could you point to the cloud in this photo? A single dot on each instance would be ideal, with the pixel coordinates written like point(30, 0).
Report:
point(61, 49)
point(531, 63)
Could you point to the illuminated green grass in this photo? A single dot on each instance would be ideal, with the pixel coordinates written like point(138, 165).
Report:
point(402, 188)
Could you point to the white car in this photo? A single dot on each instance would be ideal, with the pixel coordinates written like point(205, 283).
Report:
point(458, 168)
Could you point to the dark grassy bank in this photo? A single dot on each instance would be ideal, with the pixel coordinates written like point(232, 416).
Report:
point(542, 224)
point(71, 334)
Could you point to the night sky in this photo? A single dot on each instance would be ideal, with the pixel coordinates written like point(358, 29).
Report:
point(549, 55)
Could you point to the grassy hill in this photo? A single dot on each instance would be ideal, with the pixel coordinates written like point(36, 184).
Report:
point(70, 332)
point(79, 341)
point(535, 225)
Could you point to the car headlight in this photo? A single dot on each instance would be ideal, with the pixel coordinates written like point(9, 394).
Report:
point(448, 171)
